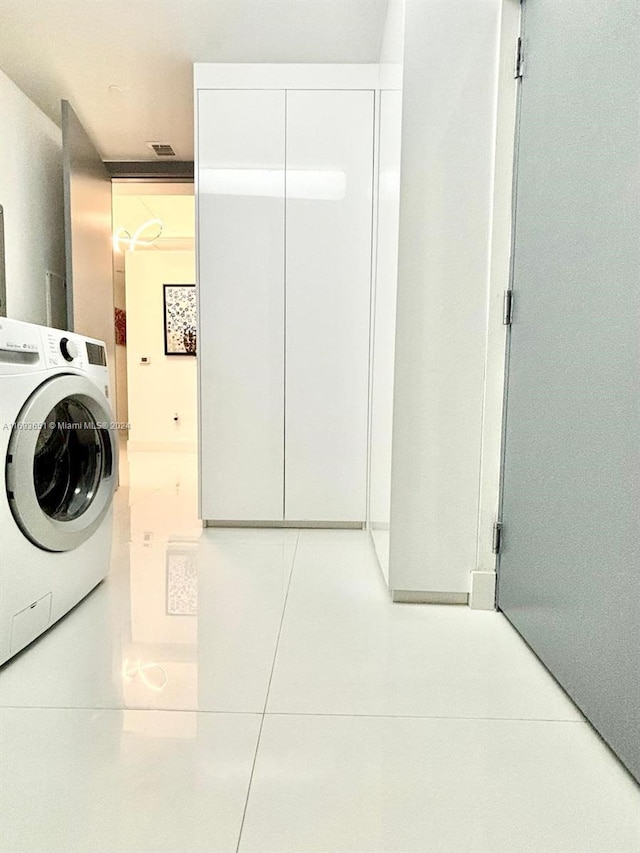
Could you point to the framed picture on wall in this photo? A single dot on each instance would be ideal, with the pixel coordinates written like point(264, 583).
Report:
point(179, 319)
point(121, 326)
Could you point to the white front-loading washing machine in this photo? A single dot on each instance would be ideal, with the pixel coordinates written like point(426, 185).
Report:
point(59, 457)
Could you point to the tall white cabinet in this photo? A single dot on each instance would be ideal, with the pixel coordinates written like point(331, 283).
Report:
point(284, 172)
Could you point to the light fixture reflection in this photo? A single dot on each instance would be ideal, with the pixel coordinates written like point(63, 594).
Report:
point(135, 240)
point(144, 670)
point(119, 235)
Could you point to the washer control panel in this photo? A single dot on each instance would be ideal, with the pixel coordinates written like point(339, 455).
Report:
point(27, 348)
point(18, 337)
point(69, 349)
point(63, 349)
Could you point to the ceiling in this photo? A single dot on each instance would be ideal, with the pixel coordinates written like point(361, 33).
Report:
point(125, 65)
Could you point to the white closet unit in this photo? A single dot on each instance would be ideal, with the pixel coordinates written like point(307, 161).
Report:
point(284, 178)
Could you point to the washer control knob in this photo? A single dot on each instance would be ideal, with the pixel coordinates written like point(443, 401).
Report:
point(69, 349)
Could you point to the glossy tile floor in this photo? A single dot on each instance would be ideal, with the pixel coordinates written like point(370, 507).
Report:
point(253, 690)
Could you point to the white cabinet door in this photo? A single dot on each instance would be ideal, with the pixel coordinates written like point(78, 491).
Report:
point(241, 147)
point(328, 272)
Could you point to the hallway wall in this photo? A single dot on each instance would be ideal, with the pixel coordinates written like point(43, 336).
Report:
point(168, 383)
point(32, 195)
point(120, 301)
point(448, 145)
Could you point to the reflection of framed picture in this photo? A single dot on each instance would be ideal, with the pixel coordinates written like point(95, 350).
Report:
point(179, 319)
point(182, 583)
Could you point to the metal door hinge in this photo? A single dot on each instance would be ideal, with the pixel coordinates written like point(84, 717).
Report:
point(519, 64)
point(497, 537)
point(507, 308)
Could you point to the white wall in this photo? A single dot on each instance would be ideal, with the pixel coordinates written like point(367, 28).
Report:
point(31, 192)
point(389, 108)
point(168, 384)
point(88, 203)
point(392, 49)
point(448, 137)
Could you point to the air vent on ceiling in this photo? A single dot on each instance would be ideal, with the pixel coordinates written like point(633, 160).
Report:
point(161, 149)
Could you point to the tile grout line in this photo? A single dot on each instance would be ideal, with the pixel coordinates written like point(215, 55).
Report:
point(266, 699)
point(119, 709)
point(262, 714)
point(284, 608)
point(453, 719)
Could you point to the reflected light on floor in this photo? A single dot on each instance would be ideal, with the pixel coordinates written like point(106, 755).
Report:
point(131, 670)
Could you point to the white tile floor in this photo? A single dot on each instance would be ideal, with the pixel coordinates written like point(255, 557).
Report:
point(249, 690)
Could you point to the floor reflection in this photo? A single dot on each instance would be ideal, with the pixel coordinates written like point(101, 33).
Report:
point(169, 658)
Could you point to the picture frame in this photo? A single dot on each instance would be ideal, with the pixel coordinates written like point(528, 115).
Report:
point(180, 319)
point(120, 320)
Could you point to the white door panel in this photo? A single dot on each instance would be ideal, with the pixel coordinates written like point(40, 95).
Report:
point(241, 145)
point(328, 265)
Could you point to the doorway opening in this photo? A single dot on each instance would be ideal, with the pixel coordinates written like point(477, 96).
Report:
point(154, 286)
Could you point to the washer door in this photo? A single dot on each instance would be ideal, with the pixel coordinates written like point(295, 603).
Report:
point(61, 463)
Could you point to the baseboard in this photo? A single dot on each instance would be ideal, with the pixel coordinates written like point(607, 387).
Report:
point(406, 596)
point(483, 591)
point(310, 525)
